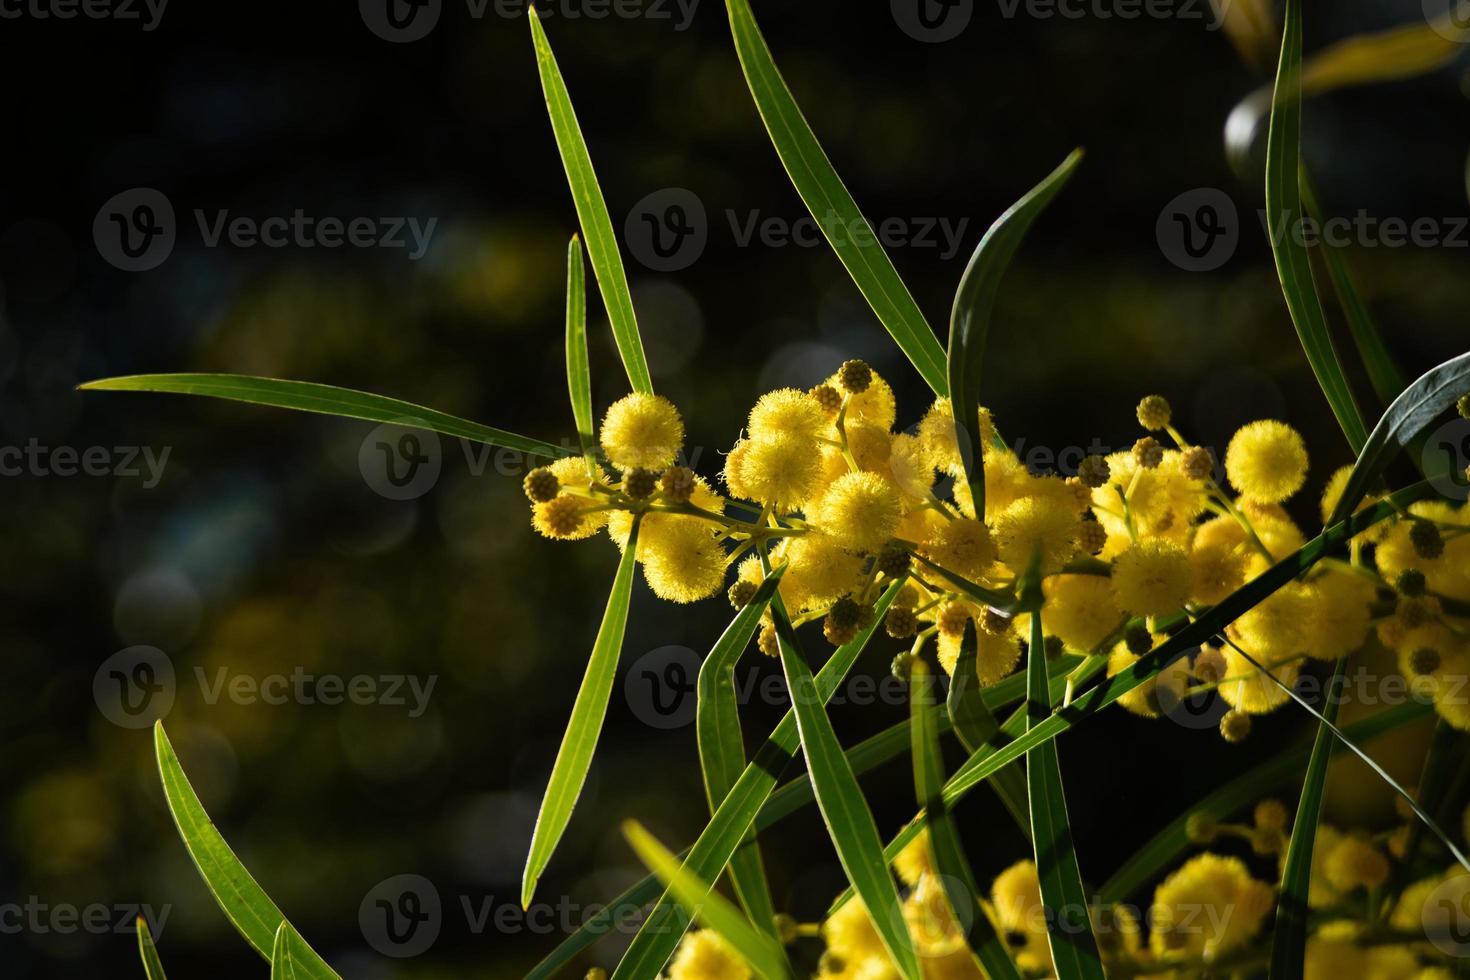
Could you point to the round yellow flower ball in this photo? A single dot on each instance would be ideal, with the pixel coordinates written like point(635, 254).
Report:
point(1266, 461)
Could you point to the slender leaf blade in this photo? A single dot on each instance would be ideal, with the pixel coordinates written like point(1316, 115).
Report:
point(579, 372)
point(657, 937)
point(1289, 946)
point(849, 822)
point(148, 952)
point(1284, 211)
point(1073, 946)
point(597, 228)
point(574, 758)
point(307, 396)
point(950, 862)
point(1409, 415)
point(722, 747)
point(830, 203)
point(243, 901)
point(286, 954)
point(969, 318)
point(975, 726)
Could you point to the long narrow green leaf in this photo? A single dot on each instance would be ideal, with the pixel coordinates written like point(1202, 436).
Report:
point(830, 203)
point(1284, 212)
point(950, 862)
point(760, 951)
point(1073, 947)
point(849, 822)
point(657, 937)
point(148, 953)
point(722, 747)
point(975, 726)
point(244, 903)
point(789, 798)
point(1289, 946)
point(306, 396)
point(1170, 843)
point(1409, 415)
point(574, 758)
point(597, 229)
point(974, 301)
point(1014, 727)
point(579, 373)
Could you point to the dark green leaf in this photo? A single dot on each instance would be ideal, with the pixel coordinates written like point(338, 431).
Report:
point(244, 903)
point(1284, 214)
point(830, 203)
point(975, 726)
point(1073, 947)
point(597, 229)
point(849, 822)
point(574, 758)
point(304, 396)
point(969, 319)
point(950, 862)
point(1411, 412)
point(722, 747)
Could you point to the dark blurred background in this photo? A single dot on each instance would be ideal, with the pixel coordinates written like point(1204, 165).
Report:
point(261, 545)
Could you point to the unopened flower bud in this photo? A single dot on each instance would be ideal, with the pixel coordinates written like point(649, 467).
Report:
point(1094, 471)
point(677, 483)
point(855, 376)
point(541, 484)
point(1154, 413)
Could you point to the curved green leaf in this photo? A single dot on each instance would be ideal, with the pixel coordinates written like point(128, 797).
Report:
point(760, 951)
point(579, 374)
point(975, 726)
point(969, 319)
point(722, 747)
point(659, 934)
point(244, 903)
point(597, 229)
point(574, 758)
point(1170, 843)
point(1284, 213)
point(147, 952)
point(849, 822)
point(830, 203)
point(1073, 947)
point(1411, 412)
point(950, 862)
point(307, 396)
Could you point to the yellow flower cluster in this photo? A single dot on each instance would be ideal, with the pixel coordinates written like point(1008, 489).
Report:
point(1129, 548)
